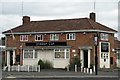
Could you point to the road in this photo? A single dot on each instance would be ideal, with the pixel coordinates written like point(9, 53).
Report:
point(60, 75)
point(82, 78)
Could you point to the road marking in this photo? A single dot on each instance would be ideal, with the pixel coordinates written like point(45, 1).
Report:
point(11, 77)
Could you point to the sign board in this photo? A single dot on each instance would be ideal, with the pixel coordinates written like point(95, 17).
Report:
point(46, 44)
point(104, 47)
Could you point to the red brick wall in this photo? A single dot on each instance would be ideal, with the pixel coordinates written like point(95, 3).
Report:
point(81, 40)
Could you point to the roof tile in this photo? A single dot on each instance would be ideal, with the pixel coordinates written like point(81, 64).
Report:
point(60, 25)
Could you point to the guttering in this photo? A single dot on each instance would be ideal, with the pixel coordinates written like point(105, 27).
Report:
point(70, 31)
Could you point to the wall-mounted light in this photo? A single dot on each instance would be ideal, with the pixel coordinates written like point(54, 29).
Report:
point(113, 50)
point(74, 50)
point(61, 33)
point(84, 33)
point(75, 55)
point(117, 52)
point(30, 34)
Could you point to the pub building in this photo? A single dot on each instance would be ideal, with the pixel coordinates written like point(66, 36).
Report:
point(59, 41)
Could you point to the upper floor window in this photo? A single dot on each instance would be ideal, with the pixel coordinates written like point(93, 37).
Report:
point(103, 36)
point(70, 36)
point(39, 37)
point(54, 37)
point(23, 37)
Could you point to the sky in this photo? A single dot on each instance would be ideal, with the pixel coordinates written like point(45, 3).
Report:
point(11, 11)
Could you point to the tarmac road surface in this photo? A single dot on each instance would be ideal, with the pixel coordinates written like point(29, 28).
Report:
point(75, 78)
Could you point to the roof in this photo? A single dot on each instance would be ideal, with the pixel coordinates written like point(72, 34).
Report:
point(60, 25)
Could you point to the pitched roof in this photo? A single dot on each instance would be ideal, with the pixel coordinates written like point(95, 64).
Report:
point(60, 25)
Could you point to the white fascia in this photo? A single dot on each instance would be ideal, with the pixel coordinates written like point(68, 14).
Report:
point(70, 31)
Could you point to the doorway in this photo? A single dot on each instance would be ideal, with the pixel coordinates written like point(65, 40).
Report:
point(85, 52)
point(11, 58)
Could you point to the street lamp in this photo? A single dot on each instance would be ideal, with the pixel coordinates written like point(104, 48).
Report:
point(96, 59)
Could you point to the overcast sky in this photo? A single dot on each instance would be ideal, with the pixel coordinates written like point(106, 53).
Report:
point(11, 11)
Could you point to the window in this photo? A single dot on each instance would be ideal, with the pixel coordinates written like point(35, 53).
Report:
point(70, 36)
point(101, 55)
point(23, 37)
point(104, 55)
point(39, 37)
point(62, 53)
point(104, 36)
point(67, 54)
point(30, 54)
point(118, 55)
point(54, 37)
point(36, 54)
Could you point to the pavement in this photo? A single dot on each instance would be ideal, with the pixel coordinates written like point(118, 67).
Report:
point(56, 74)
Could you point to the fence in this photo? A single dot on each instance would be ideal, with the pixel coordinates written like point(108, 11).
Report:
point(19, 68)
point(30, 68)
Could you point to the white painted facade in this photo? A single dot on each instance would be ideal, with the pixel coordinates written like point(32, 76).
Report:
point(8, 57)
point(13, 56)
point(47, 55)
point(81, 58)
point(61, 63)
point(118, 62)
point(104, 57)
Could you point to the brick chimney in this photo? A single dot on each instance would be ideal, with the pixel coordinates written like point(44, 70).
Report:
point(26, 20)
point(93, 16)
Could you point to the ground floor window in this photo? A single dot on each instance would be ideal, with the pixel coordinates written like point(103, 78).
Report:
point(30, 54)
point(62, 53)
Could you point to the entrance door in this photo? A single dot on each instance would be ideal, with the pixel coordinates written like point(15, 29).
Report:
point(11, 58)
point(85, 52)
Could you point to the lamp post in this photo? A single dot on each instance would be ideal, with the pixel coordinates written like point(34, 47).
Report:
point(96, 59)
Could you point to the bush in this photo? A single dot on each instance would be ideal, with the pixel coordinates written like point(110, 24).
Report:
point(91, 66)
point(48, 65)
point(45, 64)
point(76, 61)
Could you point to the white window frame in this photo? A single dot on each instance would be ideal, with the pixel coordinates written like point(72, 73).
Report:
point(69, 35)
point(54, 37)
point(104, 36)
point(22, 37)
point(37, 37)
point(33, 54)
point(65, 53)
